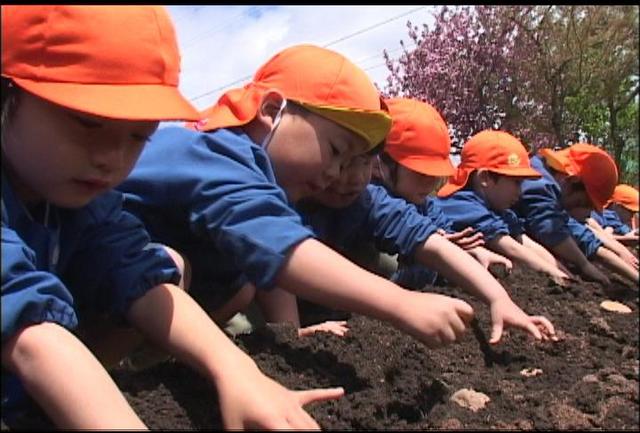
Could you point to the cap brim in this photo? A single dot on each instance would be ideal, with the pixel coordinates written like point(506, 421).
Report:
point(373, 126)
point(456, 182)
point(127, 102)
point(517, 172)
point(428, 167)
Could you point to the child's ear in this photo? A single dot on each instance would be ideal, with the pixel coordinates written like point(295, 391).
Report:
point(483, 177)
point(269, 107)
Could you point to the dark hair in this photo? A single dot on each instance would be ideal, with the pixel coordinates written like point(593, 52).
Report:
point(377, 149)
point(391, 164)
point(9, 98)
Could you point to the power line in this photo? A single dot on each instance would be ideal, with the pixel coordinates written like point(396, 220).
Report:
point(341, 39)
point(228, 22)
point(372, 27)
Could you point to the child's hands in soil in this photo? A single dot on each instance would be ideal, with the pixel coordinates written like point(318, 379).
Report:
point(336, 327)
point(505, 312)
point(433, 319)
point(251, 400)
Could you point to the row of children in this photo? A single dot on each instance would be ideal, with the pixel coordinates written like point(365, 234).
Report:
point(108, 243)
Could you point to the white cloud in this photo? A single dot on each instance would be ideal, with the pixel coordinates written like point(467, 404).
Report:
point(223, 44)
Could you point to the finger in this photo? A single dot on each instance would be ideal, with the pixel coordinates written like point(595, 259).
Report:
point(458, 326)
point(465, 311)
point(545, 323)
point(509, 265)
point(533, 329)
point(313, 395)
point(448, 335)
point(496, 332)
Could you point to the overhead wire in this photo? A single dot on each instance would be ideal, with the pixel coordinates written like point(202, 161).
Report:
point(336, 41)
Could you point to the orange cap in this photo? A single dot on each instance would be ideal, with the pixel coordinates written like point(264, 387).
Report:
point(419, 137)
point(595, 168)
point(496, 151)
point(119, 62)
point(627, 196)
point(319, 79)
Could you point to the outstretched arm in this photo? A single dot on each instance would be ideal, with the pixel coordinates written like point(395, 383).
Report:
point(317, 273)
point(612, 261)
point(509, 247)
point(248, 399)
point(66, 380)
point(439, 254)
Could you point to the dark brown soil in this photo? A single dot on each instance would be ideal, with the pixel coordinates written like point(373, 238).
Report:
point(589, 378)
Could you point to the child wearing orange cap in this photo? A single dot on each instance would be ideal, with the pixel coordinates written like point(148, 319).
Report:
point(226, 203)
point(486, 184)
point(581, 176)
point(616, 219)
point(80, 99)
point(419, 144)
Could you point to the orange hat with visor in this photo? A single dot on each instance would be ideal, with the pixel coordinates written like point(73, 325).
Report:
point(322, 81)
point(495, 151)
point(419, 137)
point(595, 168)
point(626, 196)
point(119, 62)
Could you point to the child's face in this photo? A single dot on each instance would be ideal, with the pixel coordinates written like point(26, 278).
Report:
point(308, 151)
point(502, 192)
point(624, 214)
point(575, 199)
point(413, 186)
point(352, 181)
point(67, 157)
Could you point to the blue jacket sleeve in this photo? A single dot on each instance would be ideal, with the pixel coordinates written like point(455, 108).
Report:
point(611, 219)
point(30, 296)
point(226, 191)
point(586, 240)
point(396, 226)
point(544, 218)
point(465, 209)
point(114, 264)
point(432, 209)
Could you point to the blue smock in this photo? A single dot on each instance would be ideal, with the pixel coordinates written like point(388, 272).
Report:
point(391, 224)
point(610, 218)
point(213, 197)
point(465, 208)
point(544, 218)
point(95, 258)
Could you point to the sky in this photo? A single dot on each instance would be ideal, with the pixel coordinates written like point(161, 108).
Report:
point(223, 46)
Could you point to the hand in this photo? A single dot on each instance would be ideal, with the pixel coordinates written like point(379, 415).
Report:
point(251, 400)
point(338, 328)
point(593, 274)
point(629, 258)
point(464, 239)
point(487, 258)
point(562, 278)
point(505, 312)
point(431, 318)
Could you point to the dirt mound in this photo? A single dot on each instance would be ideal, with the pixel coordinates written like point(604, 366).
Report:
point(588, 379)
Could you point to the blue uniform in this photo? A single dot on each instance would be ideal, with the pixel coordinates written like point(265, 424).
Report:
point(391, 224)
point(545, 220)
point(465, 208)
point(213, 197)
point(95, 258)
point(610, 218)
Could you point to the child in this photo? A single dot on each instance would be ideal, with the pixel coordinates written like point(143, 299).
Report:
point(419, 144)
point(486, 184)
point(617, 218)
point(85, 87)
point(226, 202)
point(581, 176)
